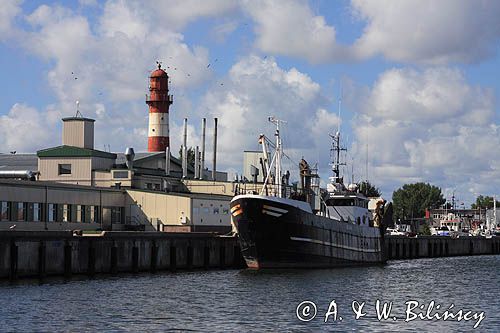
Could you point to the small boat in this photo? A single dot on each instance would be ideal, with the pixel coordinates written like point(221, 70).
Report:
point(283, 227)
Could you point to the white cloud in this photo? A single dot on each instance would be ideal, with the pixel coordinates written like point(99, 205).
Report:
point(24, 129)
point(428, 31)
point(412, 31)
point(224, 29)
point(257, 88)
point(8, 12)
point(136, 18)
point(428, 125)
point(290, 28)
point(105, 66)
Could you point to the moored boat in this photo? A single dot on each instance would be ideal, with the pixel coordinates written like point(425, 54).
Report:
point(307, 227)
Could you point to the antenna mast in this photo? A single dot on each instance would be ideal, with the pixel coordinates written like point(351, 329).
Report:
point(335, 151)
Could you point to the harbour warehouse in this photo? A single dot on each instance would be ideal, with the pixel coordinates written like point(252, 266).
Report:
point(75, 186)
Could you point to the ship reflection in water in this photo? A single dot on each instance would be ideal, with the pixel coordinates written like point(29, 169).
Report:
point(266, 300)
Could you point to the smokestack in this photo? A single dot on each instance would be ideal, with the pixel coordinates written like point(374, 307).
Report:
point(184, 150)
point(197, 162)
point(203, 128)
point(215, 150)
point(167, 161)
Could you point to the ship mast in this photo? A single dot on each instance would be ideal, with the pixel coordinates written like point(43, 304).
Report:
point(335, 152)
point(278, 154)
point(276, 160)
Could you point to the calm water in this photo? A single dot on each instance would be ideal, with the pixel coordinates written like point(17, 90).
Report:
point(257, 301)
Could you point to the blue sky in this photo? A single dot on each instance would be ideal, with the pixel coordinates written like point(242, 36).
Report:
point(419, 80)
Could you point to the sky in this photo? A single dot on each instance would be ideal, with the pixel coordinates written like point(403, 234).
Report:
point(417, 81)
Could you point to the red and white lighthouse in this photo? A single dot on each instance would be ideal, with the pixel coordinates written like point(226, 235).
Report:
point(159, 102)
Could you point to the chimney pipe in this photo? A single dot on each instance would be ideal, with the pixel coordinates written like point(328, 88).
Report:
point(215, 150)
point(184, 151)
point(203, 128)
point(197, 162)
point(167, 161)
point(129, 156)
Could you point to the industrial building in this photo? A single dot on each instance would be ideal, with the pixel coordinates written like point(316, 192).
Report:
point(75, 186)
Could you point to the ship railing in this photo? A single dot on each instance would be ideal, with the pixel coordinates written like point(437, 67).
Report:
point(288, 191)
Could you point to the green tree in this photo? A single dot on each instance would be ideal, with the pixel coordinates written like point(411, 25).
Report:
point(484, 202)
point(369, 190)
point(190, 156)
point(426, 231)
point(411, 200)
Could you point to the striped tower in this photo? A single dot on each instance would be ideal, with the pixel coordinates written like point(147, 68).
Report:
point(159, 102)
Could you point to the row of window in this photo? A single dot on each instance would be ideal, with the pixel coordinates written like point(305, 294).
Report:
point(35, 212)
point(347, 202)
point(152, 186)
point(207, 210)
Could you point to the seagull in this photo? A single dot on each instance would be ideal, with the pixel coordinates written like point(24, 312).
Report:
point(12, 227)
point(208, 65)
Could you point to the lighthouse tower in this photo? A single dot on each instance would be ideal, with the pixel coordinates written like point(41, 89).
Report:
point(159, 102)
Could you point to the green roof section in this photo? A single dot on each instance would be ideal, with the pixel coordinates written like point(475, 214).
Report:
point(70, 151)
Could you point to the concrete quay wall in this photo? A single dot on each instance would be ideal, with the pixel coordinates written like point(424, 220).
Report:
point(400, 247)
point(41, 254)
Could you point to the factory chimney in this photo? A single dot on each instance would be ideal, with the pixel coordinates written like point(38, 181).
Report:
point(202, 164)
point(159, 102)
point(197, 163)
point(184, 150)
point(214, 172)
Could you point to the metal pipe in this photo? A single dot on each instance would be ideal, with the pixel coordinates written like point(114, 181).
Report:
point(203, 128)
point(214, 168)
point(184, 151)
point(197, 162)
point(167, 161)
point(22, 174)
point(129, 156)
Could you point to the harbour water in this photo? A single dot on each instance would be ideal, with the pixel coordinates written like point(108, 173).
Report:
point(234, 300)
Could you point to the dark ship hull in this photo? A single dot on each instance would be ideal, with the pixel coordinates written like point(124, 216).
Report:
point(281, 233)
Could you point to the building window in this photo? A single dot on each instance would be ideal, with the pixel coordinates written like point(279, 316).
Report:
point(4, 211)
point(196, 210)
point(120, 174)
point(21, 211)
point(149, 186)
point(116, 215)
point(37, 212)
point(66, 213)
point(216, 210)
point(52, 210)
point(93, 214)
point(80, 213)
point(225, 210)
point(157, 187)
point(206, 210)
point(64, 169)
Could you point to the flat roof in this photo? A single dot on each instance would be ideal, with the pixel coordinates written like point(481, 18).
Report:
point(78, 119)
